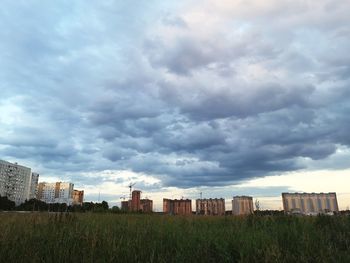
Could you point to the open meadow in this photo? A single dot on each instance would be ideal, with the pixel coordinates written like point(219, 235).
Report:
point(79, 237)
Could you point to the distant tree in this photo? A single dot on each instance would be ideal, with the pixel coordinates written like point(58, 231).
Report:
point(269, 212)
point(6, 204)
point(100, 207)
point(76, 208)
point(33, 205)
point(104, 205)
point(88, 206)
point(115, 209)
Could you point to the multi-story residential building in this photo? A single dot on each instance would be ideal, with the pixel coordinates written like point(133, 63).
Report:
point(135, 200)
point(177, 207)
point(146, 205)
point(34, 185)
point(15, 181)
point(58, 192)
point(78, 197)
point(242, 205)
point(210, 206)
point(137, 204)
point(310, 203)
point(125, 205)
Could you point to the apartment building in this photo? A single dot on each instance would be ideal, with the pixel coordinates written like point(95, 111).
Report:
point(177, 207)
point(78, 197)
point(309, 203)
point(242, 205)
point(59, 192)
point(136, 204)
point(146, 205)
point(210, 206)
point(135, 201)
point(125, 205)
point(16, 182)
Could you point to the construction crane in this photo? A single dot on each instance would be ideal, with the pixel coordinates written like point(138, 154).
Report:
point(123, 197)
point(130, 187)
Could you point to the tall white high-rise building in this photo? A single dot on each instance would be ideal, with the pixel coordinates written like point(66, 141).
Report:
point(58, 192)
point(15, 181)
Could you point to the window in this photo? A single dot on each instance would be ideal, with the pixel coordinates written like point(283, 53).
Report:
point(319, 201)
point(311, 205)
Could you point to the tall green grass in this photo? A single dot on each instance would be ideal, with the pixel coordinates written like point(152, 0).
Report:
point(87, 237)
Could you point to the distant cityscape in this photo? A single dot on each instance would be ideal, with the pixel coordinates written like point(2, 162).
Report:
point(18, 183)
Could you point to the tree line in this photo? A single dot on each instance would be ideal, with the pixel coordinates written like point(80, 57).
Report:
point(37, 205)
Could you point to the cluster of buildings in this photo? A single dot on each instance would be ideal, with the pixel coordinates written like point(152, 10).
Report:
point(18, 183)
point(293, 203)
point(136, 204)
point(59, 192)
point(241, 205)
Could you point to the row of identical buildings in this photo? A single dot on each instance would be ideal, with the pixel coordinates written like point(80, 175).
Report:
point(241, 205)
point(293, 203)
point(18, 183)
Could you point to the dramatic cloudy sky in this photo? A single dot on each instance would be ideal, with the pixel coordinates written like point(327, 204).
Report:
point(224, 97)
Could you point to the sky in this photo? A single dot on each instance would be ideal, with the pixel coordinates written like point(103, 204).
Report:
point(180, 97)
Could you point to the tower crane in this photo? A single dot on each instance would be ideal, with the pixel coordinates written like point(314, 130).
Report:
point(130, 187)
point(123, 197)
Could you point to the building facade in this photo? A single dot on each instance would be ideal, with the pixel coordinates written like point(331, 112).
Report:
point(135, 201)
point(136, 204)
point(177, 207)
point(78, 197)
point(310, 203)
point(34, 185)
point(146, 205)
point(15, 182)
point(242, 205)
point(125, 205)
point(58, 192)
point(210, 206)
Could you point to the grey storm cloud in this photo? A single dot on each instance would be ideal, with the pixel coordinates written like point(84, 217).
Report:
point(206, 98)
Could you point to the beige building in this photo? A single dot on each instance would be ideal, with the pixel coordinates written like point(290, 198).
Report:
point(210, 206)
point(309, 203)
point(78, 197)
point(177, 207)
point(242, 205)
point(58, 192)
point(16, 182)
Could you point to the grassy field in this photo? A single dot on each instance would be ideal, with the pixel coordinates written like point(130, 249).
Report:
point(154, 238)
